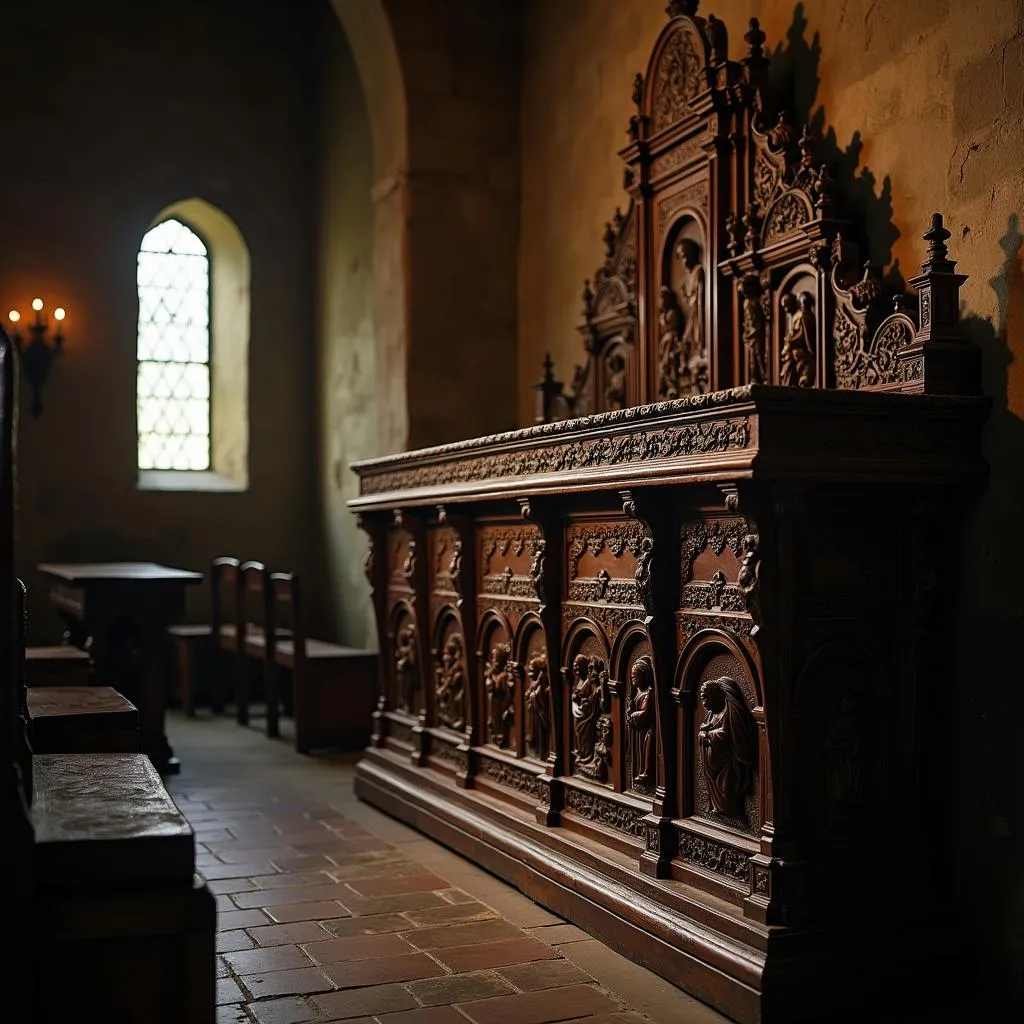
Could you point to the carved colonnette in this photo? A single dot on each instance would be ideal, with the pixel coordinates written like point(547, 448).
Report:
point(676, 659)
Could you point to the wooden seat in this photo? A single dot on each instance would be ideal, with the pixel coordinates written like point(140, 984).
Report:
point(81, 719)
point(334, 688)
point(57, 665)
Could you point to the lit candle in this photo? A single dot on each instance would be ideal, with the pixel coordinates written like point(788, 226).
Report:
point(58, 313)
point(37, 305)
point(14, 316)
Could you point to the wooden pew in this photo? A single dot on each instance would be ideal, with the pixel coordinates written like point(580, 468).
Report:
point(334, 688)
point(56, 665)
point(191, 641)
point(109, 918)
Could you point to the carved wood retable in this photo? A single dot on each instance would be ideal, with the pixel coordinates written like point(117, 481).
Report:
point(672, 660)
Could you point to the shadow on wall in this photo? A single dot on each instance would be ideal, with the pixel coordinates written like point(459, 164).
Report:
point(794, 72)
point(981, 739)
point(988, 720)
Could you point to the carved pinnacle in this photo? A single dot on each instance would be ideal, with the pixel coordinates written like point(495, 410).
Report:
point(754, 38)
point(937, 254)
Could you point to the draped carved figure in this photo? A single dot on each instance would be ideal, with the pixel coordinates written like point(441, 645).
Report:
point(640, 718)
point(797, 356)
point(693, 361)
point(450, 687)
point(591, 725)
point(499, 685)
point(406, 670)
point(670, 333)
point(538, 706)
point(728, 745)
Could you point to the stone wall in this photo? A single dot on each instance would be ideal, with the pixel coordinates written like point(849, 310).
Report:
point(922, 106)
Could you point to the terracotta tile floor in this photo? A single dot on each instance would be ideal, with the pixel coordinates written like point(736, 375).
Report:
point(330, 911)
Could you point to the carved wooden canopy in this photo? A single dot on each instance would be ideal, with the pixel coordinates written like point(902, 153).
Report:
point(733, 263)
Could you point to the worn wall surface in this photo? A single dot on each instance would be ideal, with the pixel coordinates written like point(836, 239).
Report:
point(922, 106)
point(113, 113)
point(349, 414)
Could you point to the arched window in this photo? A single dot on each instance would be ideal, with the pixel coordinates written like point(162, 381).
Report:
point(173, 390)
point(193, 351)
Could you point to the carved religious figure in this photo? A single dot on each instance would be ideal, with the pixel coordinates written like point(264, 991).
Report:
point(728, 745)
point(640, 719)
point(691, 292)
point(538, 706)
point(450, 685)
point(590, 703)
point(754, 327)
point(796, 367)
point(499, 685)
point(537, 568)
point(406, 672)
point(670, 335)
point(750, 547)
point(615, 386)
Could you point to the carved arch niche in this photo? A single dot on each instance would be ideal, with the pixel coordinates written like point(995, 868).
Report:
point(537, 719)
point(589, 733)
point(499, 695)
point(451, 697)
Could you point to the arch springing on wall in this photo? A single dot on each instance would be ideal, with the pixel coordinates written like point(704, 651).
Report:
point(193, 351)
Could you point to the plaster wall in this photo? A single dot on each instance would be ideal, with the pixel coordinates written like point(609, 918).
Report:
point(116, 114)
point(924, 100)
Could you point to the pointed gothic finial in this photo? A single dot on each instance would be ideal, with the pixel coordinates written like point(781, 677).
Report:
point(588, 299)
point(718, 39)
point(609, 240)
point(754, 38)
point(806, 145)
point(677, 7)
point(937, 255)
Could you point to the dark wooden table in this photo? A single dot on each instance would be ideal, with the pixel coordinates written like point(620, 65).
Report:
point(119, 612)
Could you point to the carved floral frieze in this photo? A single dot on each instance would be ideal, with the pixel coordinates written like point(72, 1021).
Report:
point(604, 811)
point(714, 856)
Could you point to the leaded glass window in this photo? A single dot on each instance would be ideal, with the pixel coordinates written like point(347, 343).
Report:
point(173, 390)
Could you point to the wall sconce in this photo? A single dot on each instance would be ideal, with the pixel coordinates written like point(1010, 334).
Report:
point(38, 353)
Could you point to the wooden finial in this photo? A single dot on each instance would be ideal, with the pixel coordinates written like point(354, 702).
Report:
point(679, 7)
point(754, 38)
point(937, 255)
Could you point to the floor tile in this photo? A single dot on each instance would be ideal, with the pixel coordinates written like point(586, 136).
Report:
point(427, 1015)
point(556, 934)
point(228, 991)
point(392, 904)
point(282, 934)
point(231, 919)
point(272, 958)
point(361, 1001)
point(356, 947)
point(494, 954)
point(304, 980)
point(542, 974)
point(458, 988)
point(297, 894)
point(408, 967)
point(250, 869)
point(318, 910)
point(394, 886)
point(451, 914)
point(539, 1007)
point(291, 1010)
point(233, 1013)
point(229, 941)
point(290, 879)
point(227, 886)
point(463, 934)
point(302, 862)
point(374, 925)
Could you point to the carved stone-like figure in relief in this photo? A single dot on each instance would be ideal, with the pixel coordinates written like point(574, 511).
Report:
point(691, 291)
point(640, 719)
point(406, 669)
point(670, 334)
point(590, 703)
point(797, 357)
point(754, 327)
point(538, 706)
point(615, 386)
point(450, 686)
point(728, 745)
point(750, 547)
point(499, 685)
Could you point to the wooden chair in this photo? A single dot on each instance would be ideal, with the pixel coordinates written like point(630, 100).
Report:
point(251, 637)
point(334, 688)
point(191, 641)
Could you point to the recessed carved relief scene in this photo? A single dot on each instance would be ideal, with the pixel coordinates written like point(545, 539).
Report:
point(725, 770)
point(641, 723)
point(406, 695)
point(501, 687)
point(589, 703)
point(450, 682)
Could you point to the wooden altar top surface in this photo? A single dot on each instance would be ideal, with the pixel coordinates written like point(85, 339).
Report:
point(755, 431)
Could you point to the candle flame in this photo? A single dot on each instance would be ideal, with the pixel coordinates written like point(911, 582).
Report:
point(14, 316)
point(58, 313)
point(37, 304)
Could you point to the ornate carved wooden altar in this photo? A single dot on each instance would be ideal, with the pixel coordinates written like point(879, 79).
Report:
point(674, 668)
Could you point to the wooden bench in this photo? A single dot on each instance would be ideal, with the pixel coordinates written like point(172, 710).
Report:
point(57, 665)
point(81, 719)
point(108, 918)
point(334, 688)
